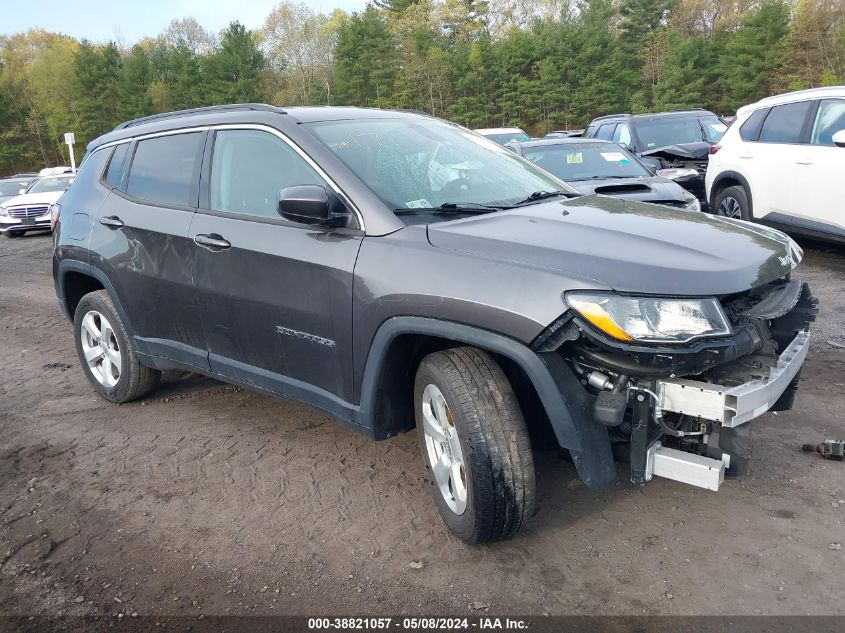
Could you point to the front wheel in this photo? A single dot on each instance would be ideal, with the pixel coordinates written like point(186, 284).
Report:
point(106, 353)
point(732, 202)
point(475, 445)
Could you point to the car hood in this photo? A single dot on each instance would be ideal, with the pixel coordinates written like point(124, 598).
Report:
point(629, 246)
point(648, 189)
point(696, 151)
point(48, 197)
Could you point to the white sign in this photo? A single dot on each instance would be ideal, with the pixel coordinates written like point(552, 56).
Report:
point(70, 139)
point(614, 157)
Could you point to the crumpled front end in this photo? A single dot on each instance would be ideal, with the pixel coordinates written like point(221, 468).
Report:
point(682, 411)
point(685, 164)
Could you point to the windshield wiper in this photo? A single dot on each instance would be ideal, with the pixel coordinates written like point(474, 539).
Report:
point(544, 195)
point(451, 207)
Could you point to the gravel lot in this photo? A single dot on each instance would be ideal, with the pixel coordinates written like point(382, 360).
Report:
point(207, 498)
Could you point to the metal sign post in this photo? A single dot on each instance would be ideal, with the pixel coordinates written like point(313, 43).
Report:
point(70, 139)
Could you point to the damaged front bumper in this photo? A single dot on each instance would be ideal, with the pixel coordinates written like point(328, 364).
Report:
point(682, 413)
point(732, 406)
point(728, 406)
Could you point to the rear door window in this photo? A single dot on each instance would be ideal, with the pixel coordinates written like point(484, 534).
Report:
point(785, 123)
point(622, 134)
point(165, 169)
point(606, 131)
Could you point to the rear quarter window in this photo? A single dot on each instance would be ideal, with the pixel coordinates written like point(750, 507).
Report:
point(114, 171)
point(750, 129)
point(165, 168)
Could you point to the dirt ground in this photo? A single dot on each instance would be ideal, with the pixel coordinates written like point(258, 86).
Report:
point(206, 498)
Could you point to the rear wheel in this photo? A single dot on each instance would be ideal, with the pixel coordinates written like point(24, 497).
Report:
point(11, 234)
point(106, 353)
point(732, 202)
point(475, 445)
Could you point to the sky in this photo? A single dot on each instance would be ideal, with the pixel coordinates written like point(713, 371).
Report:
point(127, 22)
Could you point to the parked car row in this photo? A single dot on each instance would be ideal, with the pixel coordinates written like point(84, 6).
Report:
point(26, 206)
point(778, 163)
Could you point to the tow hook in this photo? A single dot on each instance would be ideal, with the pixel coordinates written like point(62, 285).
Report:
point(829, 449)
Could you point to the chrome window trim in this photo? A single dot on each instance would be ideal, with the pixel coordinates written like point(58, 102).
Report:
point(311, 163)
point(253, 126)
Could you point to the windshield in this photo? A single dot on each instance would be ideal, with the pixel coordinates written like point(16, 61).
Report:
point(585, 161)
point(417, 163)
point(51, 184)
point(501, 139)
point(663, 131)
point(11, 188)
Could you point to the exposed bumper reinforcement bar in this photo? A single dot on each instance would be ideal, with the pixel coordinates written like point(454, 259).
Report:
point(687, 468)
point(732, 406)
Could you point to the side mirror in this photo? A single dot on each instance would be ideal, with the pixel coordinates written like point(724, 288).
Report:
point(312, 204)
point(22, 191)
point(839, 138)
point(625, 146)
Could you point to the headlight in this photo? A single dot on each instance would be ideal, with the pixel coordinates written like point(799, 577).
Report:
point(3, 211)
point(650, 319)
point(674, 173)
point(693, 204)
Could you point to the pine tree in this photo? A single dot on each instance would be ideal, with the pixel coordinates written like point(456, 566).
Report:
point(366, 60)
point(231, 74)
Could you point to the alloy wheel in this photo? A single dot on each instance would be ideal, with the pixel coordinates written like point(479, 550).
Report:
point(730, 208)
point(100, 348)
point(444, 449)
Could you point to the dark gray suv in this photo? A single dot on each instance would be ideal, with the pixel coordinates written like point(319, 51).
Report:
point(395, 270)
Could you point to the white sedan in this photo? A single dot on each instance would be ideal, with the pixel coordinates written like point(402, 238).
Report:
point(30, 211)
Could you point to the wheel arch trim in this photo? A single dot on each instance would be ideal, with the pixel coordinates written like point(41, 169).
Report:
point(731, 175)
point(558, 389)
point(68, 265)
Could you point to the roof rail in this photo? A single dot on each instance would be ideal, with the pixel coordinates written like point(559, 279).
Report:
point(610, 116)
point(205, 110)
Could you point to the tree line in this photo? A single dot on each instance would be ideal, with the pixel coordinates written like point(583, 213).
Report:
point(537, 64)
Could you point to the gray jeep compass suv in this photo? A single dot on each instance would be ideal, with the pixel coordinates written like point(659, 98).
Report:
point(398, 271)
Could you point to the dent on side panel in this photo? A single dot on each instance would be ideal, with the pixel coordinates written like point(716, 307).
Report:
point(80, 207)
point(149, 263)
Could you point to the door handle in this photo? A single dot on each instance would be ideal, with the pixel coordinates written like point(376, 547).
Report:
point(804, 161)
point(746, 155)
point(112, 221)
point(212, 242)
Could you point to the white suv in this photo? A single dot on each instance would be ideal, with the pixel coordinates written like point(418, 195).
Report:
point(782, 162)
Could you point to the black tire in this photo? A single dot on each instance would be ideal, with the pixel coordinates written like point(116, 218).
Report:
point(496, 450)
point(733, 200)
point(135, 380)
point(11, 234)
